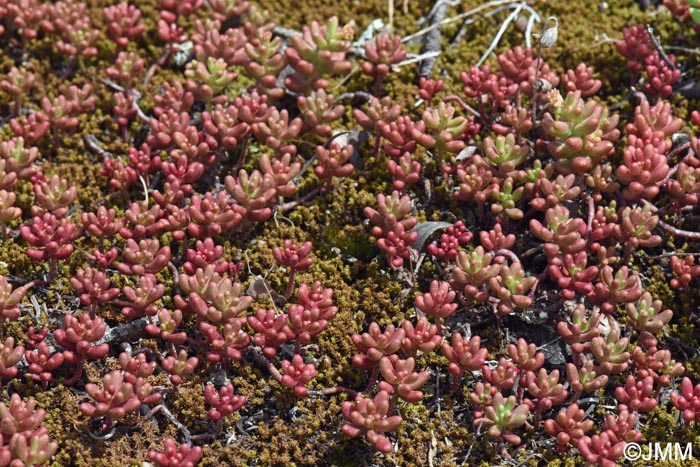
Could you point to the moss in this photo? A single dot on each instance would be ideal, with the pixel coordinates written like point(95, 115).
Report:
point(274, 428)
point(664, 427)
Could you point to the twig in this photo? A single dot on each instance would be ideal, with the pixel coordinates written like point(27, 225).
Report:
point(674, 253)
point(292, 204)
point(459, 17)
point(424, 56)
point(674, 169)
point(657, 45)
point(286, 33)
point(139, 112)
point(499, 34)
point(534, 16)
point(351, 95)
point(111, 84)
point(183, 429)
point(93, 145)
point(471, 446)
point(331, 391)
point(106, 436)
point(679, 232)
point(264, 362)
point(507, 253)
point(590, 202)
point(683, 49)
point(464, 105)
point(176, 274)
point(671, 229)
point(536, 85)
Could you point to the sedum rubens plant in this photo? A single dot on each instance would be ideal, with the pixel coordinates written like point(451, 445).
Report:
point(552, 192)
point(211, 296)
point(317, 54)
point(688, 401)
point(9, 357)
point(7, 181)
point(18, 158)
point(442, 130)
point(271, 330)
point(503, 153)
point(179, 366)
point(569, 426)
point(254, 194)
point(375, 344)
point(225, 341)
point(93, 287)
point(123, 23)
point(588, 378)
point(283, 172)
point(333, 162)
point(471, 272)
point(649, 360)
point(502, 416)
point(572, 274)
point(311, 316)
point(10, 299)
point(211, 215)
point(504, 197)
point(144, 257)
point(580, 134)
point(684, 270)
point(295, 258)
point(198, 306)
point(18, 83)
point(582, 329)
point(644, 168)
point(207, 81)
point(400, 379)
point(278, 132)
point(8, 212)
point(114, 401)
point(448, 247)
point(438, 302)
point(175, 456)
point(265, 62)
point(390, 211)
point(404, 172)
point(370, 417)
point(581, 79)
point(297, 374)
point(562, 234)
point(23, 439)
point(647, 315)
point(381, 53)
point(611, 352)
point(77, 339)
point(509, 288)
point(223, 403)
point(503, 376)
point(391, 222)
point(464, 355)
point(635, 394)
point(423, 337)
point(615, 287)
point(525, 356)
point(318, 112)
point(635, 228)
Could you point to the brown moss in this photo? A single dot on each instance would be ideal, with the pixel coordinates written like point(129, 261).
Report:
point(274, 428)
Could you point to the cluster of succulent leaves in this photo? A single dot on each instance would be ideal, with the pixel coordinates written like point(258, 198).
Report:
point(210, 224)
